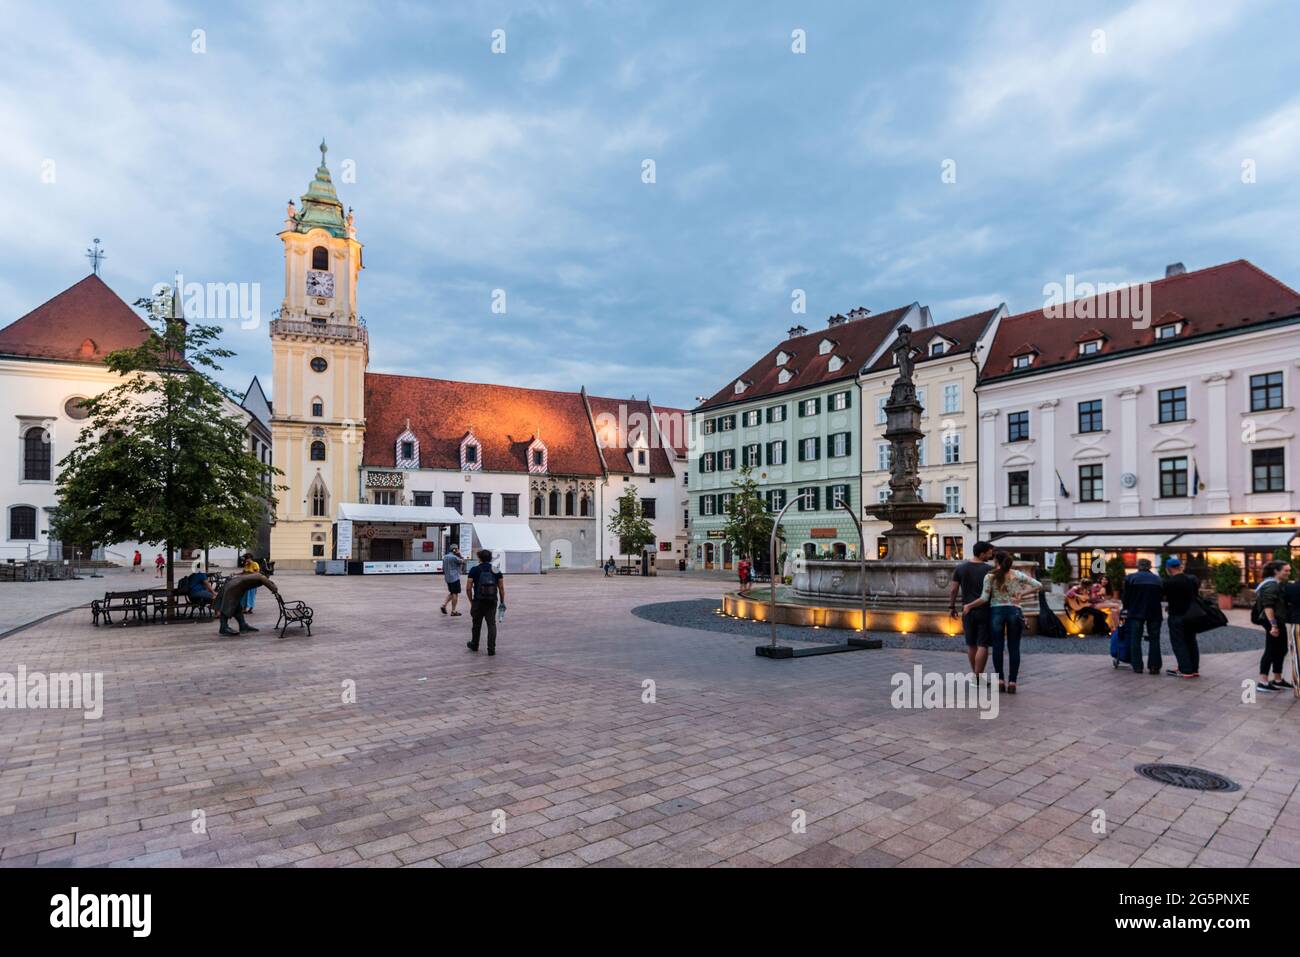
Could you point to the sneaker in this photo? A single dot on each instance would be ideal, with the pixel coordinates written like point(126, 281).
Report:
point(1282, 683)
point(1194, 674)
point(1175, 672)
point(1260, 686)
point(1277, 686)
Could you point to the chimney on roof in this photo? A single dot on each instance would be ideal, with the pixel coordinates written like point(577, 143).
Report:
point(797, 331)
point(1174, 269)
point(859, 313)
point(836, 320)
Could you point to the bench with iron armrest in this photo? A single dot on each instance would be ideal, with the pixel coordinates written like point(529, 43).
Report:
point(292, 612)
point(130, 605)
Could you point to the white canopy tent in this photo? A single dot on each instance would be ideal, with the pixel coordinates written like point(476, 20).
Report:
point(513, 546)
point(405, 514)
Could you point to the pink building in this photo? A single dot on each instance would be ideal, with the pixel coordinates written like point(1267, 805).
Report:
point(1159, 419)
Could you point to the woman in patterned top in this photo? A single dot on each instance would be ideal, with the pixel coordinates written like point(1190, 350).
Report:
point(1003, 589)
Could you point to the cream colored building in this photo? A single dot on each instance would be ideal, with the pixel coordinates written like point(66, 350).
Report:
point(319, 352)
point(947, 368)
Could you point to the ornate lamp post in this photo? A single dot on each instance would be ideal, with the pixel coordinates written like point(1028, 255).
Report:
point(862, 560)
point(776, 525)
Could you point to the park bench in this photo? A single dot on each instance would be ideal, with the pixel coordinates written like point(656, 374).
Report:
point(291, 613)
point(627, 570)
point(130, 605)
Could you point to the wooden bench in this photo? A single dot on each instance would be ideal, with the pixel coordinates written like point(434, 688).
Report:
point(131, 605)
point(291, 613)
point(628, 570)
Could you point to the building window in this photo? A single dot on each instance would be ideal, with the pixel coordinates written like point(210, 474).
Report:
point(776, 413)
point(36, 454)
point(319, 503)
point(1089, 348)
point(319, 365)
point(810, 407)
point(584, 506)
point(1265, 391)
point(537, 505)
point(951, 398)
point(1268, 470)
point(648, 508)
point(707, 462)
point(937, 347)
point(726, 423)
point(753, 455)
point(882, 547)
point(320, 258)
point(840, 445)
point(570, 502)
point(553, 502)
point(810, 449)
point(840, 401)
point(706, 504)
point(22, 523)
point(539, 457)
point(471, 454)
point(952, 448)
point(884, 456)
point(708, 427)
point(1167, 331)
point(75, 409)
point(408, 449)
point(1017, 426)
point(954, 548)
point(482, 503)
point(809, 499)
point(422, 499)
point(776, 453)
point(1173, 477)
point(837, 495)
point(1172, 404)
point(775, 499)
point(728, 459)
point(952, 499)
point(509, 504)
point(318, 451)
point(1090, 484)
point(1017, 488)
point(452, 500)
point(384, 497)
point(1090, 416)
point(752, 418)
point(881, 415)
point(1022, 361)
point(317, 408)
point(882, 494)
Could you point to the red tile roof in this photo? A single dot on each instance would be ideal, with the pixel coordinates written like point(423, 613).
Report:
point(504, 420)
point(963, 333)
point(629, 417)
point(855, 341)
point(84, 323)
point(1231, 297)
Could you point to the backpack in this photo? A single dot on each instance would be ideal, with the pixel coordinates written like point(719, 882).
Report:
point(183, 586)
point(485, 585)
point(1257, 616)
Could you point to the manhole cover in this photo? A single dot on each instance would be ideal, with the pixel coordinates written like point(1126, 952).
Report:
point(1183, 777)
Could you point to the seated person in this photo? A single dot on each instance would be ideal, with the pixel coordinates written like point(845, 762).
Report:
point(200, 588)
point(1085, 603)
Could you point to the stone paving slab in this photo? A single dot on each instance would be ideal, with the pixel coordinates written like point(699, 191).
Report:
point(549, 755)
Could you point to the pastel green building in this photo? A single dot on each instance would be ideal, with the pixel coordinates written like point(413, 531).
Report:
point(794, 418)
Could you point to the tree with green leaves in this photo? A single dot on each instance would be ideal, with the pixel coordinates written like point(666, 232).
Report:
point(163, 457)
point(629, 523)
point(749, 523)
point(1062, 571)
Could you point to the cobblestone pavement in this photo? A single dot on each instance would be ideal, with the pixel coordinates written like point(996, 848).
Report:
point(24, 602)
point(242, 752)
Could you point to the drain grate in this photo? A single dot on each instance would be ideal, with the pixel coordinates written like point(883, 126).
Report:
point(1179, 776)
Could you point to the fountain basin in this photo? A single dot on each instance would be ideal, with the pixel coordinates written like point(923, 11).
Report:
point(902, 586)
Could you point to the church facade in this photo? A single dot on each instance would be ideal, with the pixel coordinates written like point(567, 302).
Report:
point(529, 469)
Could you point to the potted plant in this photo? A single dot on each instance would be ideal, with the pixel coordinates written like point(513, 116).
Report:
point(1115, 572)
point(1227, 581)
point(1062, 572)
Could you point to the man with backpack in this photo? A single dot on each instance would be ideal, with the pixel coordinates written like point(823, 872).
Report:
point(1270, 611)
point(486, 587)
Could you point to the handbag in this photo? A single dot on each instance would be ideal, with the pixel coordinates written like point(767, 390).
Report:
point(1202, 616)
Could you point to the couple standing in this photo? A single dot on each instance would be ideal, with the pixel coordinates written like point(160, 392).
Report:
point(487, 592)
point(990, 614)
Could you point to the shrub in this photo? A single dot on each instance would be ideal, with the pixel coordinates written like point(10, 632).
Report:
point(1226, 576)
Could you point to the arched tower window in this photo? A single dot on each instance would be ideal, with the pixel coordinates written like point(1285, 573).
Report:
point(555, 501)
point(36, 455)
point(320, 258)
point(570, 502)
point(318, 451)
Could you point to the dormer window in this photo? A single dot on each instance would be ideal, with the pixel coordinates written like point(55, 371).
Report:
point(471, 453)
point(740, 386)
point(407, 452)
point(825, 346)
point(1022, 361)
point(782, 357)
point(1090, 347)
point(938, 347)
point(785, 376)
point(835, 364)
point(1170, 331)
point(538, 456)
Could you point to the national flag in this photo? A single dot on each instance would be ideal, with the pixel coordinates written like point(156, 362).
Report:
point(1061, 484)
point(1196, 478)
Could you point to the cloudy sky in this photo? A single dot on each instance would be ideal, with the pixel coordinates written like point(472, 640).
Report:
point(1103, 154)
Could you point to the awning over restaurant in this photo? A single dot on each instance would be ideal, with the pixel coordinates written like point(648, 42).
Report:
point(403, 514)
point(1119, 540)
point(1254, 538)
point(1051, 541)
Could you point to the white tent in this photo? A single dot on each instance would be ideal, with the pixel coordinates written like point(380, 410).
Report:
point(513, 546)
point(404, 514)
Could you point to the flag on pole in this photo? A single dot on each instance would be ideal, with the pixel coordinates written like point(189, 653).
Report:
point(1061, 484)
point(1196, 477)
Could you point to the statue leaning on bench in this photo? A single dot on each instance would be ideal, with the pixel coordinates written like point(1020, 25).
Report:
point(231, 600)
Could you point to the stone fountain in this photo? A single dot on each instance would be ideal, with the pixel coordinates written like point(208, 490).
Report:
point(905, 581)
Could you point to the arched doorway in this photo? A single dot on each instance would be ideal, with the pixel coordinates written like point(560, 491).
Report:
point(708, 554)
point(564, 548)
point(726, 554)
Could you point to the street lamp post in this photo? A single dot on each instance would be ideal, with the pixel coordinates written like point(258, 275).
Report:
point(862, 561)
point(771, 608)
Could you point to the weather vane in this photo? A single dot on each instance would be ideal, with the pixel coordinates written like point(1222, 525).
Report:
point(96, 256)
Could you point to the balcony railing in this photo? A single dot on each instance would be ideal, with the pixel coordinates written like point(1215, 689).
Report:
point(322, 330)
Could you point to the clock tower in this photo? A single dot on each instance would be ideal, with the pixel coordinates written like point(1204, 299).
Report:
point(319, 351)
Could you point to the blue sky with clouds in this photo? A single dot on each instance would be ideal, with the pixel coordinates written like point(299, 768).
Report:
point(522, 171)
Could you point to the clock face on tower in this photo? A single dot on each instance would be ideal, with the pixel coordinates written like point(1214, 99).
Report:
point(320, 283)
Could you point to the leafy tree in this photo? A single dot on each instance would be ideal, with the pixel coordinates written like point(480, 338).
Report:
point(162, 456)
point(749, 524)
point(628, 522)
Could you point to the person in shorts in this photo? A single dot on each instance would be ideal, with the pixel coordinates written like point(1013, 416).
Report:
point(452, 566)
point(976, 625)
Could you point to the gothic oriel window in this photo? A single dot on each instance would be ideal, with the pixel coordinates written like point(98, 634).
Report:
point(319, 498)
point(570, 502)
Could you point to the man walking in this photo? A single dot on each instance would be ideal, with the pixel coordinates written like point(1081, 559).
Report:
point(1180, 591)
point(487, 587)
point(968, 581)
point(452, 566)
point(1140, 600)
point(231, 600)
point(1270, 599)
point(136, 562)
